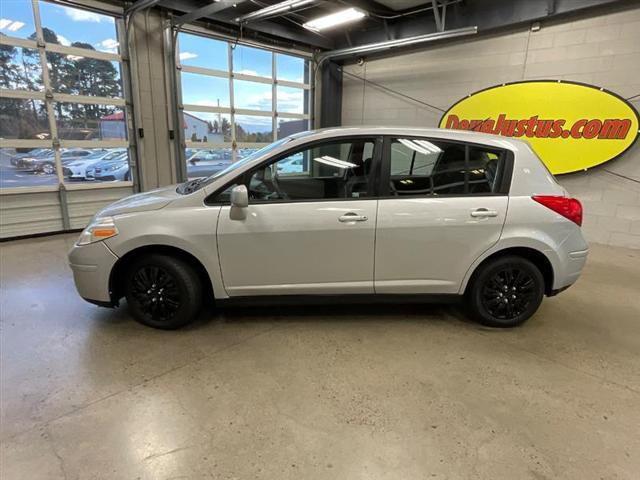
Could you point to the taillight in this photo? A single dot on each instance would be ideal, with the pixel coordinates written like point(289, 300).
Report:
point(568, 207)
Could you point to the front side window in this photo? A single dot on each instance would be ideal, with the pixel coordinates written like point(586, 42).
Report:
point(332, 170)
point(435, 167)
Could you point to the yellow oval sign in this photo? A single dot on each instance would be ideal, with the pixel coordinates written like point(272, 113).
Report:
point(571, 126)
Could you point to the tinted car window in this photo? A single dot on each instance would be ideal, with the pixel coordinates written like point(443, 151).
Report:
point(332, 170)
point(434, 167)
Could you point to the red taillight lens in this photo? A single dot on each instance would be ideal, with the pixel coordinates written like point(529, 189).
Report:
point(570, 208)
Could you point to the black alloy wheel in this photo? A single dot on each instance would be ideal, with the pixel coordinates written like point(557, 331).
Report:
point(156, 292)
point(163, 291)
point(506, 291)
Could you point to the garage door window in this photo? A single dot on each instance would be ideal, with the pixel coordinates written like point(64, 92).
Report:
point(435, 167)
point(63, 97)
point(237, 98)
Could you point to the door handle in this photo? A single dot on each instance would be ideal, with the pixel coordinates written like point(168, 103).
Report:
point(352, 217)
point(484, 213)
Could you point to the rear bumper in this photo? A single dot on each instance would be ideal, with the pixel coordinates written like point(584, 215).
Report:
point(91, 265)
point(573, 265)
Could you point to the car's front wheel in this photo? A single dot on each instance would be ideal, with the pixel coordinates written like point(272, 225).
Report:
point(163, 291)
point(48, 168)
point(505, 291)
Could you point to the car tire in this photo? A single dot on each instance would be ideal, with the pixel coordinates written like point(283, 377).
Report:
point(505, 291)
point(48, 168)
point(127, 176)
point(163, 292)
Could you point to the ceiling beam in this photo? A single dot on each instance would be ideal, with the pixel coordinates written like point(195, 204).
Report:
point(206, 11)
point(275, 10)
point(436, 15)
point(370, 6)
point(285, 32)
point(487, 15)
point(140, 5)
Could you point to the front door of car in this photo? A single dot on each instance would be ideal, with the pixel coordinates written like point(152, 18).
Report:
point(309, 227)
point(442, 205)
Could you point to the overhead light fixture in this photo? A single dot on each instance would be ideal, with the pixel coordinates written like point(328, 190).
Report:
point(10, 25)
point(420, 146)
point(334, 19)
point(334, 162)
point(273, 10)
point(429, 146)
point(412, 146)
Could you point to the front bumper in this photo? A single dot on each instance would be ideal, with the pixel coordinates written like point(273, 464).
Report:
point(75, 173)
point(91, 265)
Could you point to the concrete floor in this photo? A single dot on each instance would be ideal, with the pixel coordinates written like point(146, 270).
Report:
point(400, 392)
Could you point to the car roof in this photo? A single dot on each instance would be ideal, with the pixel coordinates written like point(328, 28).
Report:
point(440, 133)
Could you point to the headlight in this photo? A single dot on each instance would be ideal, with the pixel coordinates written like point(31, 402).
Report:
point(111, 168)
point(98, 229)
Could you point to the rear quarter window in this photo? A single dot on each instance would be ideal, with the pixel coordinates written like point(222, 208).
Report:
point(420, 166)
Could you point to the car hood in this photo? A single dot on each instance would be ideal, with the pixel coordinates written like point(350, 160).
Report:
point(141, 202)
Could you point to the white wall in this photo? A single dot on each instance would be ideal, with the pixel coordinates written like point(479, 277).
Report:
point(602, 50)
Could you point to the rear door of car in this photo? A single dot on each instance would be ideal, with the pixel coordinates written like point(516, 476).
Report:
point(442, 204)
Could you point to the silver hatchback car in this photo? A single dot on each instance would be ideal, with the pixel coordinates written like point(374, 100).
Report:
point(363, 213)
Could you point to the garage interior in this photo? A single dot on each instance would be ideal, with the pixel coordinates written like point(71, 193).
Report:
point(161, 91)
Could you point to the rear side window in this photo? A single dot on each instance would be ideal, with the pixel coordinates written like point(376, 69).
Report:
point(435, 167)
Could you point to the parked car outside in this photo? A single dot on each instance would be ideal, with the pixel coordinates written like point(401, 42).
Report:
point(211, 156)
point(36, 152)
point(47, 164)
point(77, 169)
point(206, 162)
point(292, 165)
point(112, 169)
point(441, 214)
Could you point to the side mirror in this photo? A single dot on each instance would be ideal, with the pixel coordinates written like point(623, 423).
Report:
point(239, 202)
point(239, 197)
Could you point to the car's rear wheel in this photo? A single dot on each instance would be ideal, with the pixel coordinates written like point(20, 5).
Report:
point(48, 168)
point(505, 291)
point(163, 291)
